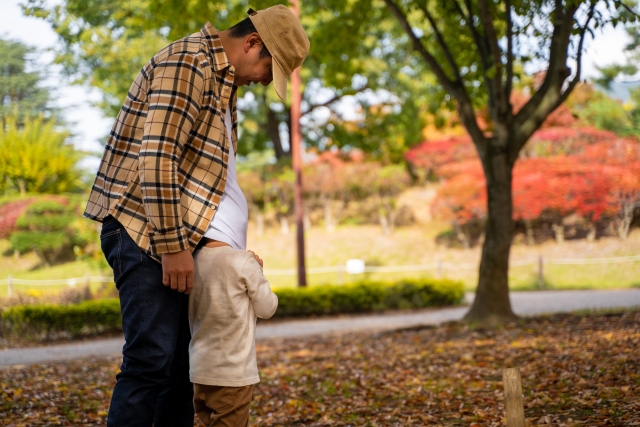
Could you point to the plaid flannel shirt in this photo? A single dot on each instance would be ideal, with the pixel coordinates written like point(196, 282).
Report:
point(164, 167)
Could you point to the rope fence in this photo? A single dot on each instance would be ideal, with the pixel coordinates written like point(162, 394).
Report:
point(352, 267)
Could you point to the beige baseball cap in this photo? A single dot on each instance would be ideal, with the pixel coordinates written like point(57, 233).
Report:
point(282, 33)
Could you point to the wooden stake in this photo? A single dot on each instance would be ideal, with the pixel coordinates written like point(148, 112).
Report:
point(540, 272)
point(513, 397)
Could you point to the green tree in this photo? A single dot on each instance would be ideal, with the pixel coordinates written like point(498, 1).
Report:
point(630, 68)
point(472, 46)
point(105, 44)
point(47, 229)
point(36, 157)
point(606, 113)
point(21, 91)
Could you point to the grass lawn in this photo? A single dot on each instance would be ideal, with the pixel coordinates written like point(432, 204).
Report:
point(408, 245)
point(416, 245)
point(577, 370)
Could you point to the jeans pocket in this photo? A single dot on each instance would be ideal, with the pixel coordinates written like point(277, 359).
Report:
point(111, 245)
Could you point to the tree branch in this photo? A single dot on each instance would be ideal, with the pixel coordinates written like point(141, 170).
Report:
point(557, 70)
point(576, 78)
point(490, 31)
point(555, 99)
point(628, 8)
point(509, 81)
point(484, 42)
point(451, 86)
point(499, 105)
point(455, 88)
point(483, 51)
point(334, 99)
point(441, 42)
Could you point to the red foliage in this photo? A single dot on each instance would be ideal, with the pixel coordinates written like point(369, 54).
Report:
point(462, 198)
point(558, 187)
point(337, 158)
point(548, 187)
point(471, 166)
point(9, 213)
point(430, 156)
point(446, 157)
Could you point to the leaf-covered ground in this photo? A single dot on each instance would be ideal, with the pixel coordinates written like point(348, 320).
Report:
point(578, 370)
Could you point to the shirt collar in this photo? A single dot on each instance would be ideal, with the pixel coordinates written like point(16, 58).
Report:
point(219, 58)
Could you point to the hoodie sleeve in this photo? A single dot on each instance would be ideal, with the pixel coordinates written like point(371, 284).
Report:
point(264, 301)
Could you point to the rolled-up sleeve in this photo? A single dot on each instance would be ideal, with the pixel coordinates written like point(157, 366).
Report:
point(263, 300)
point(176, 87)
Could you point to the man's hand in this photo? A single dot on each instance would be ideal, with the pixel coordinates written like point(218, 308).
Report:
point(257, 258)
point(178, 271)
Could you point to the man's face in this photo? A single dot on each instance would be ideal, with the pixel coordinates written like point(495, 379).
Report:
point(251, 68)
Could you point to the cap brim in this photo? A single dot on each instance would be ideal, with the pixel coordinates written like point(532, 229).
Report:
point(279, 80)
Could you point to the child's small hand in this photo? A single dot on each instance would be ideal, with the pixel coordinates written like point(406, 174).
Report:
point(257, 258)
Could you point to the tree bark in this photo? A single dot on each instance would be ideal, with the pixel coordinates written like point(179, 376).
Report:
point(328, 218)
point(558, 230)
point(624, 220)
point(273, 130)
point(284, 225)
point(591, 235)
point(260, 223)
point(492, 305)
point(529, 228)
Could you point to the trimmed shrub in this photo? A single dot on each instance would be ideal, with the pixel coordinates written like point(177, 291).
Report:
point(103, 316)
point(367, 296)
point(47, 228)
point(86, 318)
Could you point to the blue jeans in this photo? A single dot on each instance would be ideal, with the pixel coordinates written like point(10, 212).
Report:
point(153, 387)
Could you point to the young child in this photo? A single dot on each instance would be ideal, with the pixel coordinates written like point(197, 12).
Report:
point(229, 293)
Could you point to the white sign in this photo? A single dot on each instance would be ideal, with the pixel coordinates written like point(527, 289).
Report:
point(355, 266)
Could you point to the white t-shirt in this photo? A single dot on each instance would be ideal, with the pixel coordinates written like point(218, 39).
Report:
point(229, 224)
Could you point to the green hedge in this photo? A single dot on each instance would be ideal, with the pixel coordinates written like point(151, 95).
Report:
point(367, 297)
point(88, 317)
point(103, 316)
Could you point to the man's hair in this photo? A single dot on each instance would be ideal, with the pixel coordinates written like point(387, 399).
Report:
point(243, 29)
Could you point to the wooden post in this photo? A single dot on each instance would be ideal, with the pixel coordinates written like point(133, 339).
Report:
point(296, 147)
point(540, 272)
point(513, 397)
point(10, 286)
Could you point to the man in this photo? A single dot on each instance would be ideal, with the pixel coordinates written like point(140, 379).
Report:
point(160, 183)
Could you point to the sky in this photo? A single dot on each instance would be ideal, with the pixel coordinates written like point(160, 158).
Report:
point(89, 125)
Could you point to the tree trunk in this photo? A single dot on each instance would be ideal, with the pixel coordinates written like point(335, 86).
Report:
point(591, 235)
point(492, 305)
point(461, 235)
point(383, 222)
point(284, 225)
point(260, 223)
point(529, 227)
point(328, 218)
point(273, 130)
point(558, 230)
point(306, 220)
point(625, 219)
point(22, 187)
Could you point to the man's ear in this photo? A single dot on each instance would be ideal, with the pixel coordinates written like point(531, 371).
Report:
point(251, 41)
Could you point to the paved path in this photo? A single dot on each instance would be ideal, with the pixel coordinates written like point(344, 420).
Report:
point(524, 304)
